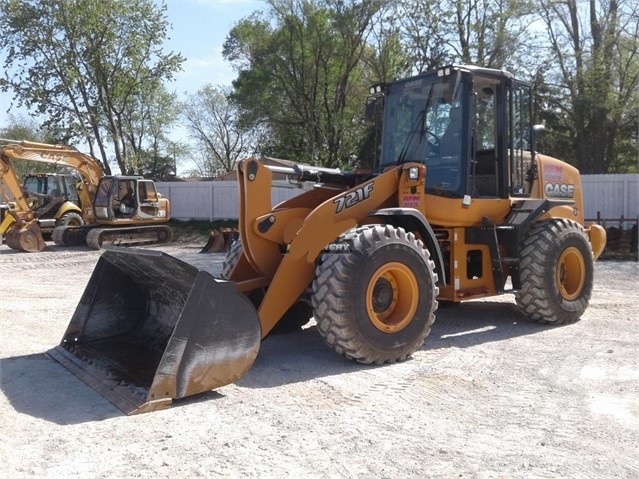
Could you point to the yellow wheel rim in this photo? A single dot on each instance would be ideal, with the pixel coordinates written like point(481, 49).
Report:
point(571, 274)
point(391, 297)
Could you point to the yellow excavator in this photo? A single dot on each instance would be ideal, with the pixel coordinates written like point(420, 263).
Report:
point(120, 210)
point(459, 206)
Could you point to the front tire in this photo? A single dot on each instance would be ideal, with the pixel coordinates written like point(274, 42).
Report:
point(374, 294)
point(556, 271)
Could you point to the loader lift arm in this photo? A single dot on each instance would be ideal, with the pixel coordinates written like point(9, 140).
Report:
point(282, 244)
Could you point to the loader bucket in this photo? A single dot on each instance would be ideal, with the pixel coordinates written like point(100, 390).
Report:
point(150, 328)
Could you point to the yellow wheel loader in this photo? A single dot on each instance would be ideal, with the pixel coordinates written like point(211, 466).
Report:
point(54, 199)
point(460, 206)
point(120, 210)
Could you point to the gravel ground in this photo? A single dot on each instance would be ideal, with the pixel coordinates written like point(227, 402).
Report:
point(489, 395)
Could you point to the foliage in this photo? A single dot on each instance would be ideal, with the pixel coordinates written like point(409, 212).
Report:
point(592, 82)
point(96, 73)
point(84, 66)
point(149, 150)
point(300, 77)
point(20, 128)
point(212, 122)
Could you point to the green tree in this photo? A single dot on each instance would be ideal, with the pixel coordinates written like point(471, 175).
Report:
point(84, 65)
point(212, 122)
point(23, 128)
point(594, 67)
point(147, 123)
point(488, 33)
point(301, 81)
point(418, 27)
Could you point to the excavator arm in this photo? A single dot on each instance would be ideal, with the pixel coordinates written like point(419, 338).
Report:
point(24, 234)
point(87, 167)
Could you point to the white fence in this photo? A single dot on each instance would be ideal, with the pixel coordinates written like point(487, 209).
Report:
point(612, 196)
point(211, 200)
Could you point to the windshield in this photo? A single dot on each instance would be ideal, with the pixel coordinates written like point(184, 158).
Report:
point(423, 122)
point(102, 195)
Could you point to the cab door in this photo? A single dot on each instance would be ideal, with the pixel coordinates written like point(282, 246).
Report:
point(148, 199)
point(520, 137)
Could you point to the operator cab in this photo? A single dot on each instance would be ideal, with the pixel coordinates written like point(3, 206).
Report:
point(43, 186)
point(126, 197)
point(470, 126)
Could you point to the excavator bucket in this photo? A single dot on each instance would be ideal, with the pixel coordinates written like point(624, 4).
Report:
point(26, 238)
point(150, 328)
point(220, 240)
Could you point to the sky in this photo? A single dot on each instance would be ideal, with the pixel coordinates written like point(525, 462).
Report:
point(199, 28)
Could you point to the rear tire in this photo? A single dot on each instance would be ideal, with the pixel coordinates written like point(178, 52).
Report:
point(556, 272)
point(374, 294)
point(69, 219)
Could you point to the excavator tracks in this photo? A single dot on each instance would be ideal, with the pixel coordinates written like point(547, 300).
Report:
point(134, 235)
point(71, 235)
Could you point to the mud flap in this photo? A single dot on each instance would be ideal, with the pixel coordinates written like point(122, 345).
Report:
point(150, 328)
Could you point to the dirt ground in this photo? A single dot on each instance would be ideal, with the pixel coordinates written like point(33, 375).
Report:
point(490, 395)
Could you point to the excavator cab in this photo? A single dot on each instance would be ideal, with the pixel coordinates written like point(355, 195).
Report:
point(125, 198)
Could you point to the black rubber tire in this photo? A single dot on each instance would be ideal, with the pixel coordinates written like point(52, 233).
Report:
point(347, 278)
point(556, 272)
point(71, 218)
point(299, 314)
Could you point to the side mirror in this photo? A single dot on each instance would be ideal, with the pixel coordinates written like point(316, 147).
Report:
point(536, 131)
point(369, 109)
point(374, 105)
